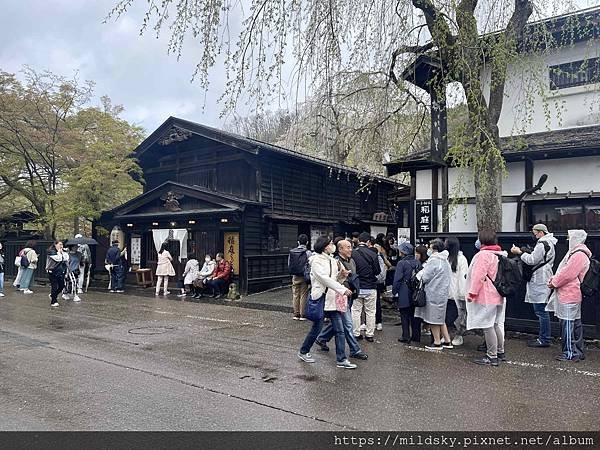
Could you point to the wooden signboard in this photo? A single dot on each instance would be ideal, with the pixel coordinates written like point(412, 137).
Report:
point(232, 250)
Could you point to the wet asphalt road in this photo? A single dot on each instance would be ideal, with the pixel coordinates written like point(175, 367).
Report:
point(121, 362)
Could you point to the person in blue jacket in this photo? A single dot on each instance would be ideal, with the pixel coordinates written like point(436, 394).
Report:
point(404, 270)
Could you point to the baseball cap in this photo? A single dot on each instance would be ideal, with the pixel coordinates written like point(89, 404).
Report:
point(540, 227)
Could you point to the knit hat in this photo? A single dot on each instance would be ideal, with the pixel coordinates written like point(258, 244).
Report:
point(406, 248)
point(540, 227)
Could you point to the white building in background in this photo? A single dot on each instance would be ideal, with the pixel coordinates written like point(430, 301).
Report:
point(550, 124)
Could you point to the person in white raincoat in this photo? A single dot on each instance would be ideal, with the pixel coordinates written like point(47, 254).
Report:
point(436, 278)
point(566, 297)
point(190, 273)
point(486, 308)
point(541, 261)
point(458, 287)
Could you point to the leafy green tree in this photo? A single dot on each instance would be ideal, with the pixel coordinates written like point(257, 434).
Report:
point(59, 155)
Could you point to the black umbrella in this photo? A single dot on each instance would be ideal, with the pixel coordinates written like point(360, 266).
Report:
point(81, 241)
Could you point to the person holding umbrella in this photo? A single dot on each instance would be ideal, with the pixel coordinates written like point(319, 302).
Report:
point(85, 264)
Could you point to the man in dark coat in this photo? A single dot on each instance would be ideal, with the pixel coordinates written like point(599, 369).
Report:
point(407, 265)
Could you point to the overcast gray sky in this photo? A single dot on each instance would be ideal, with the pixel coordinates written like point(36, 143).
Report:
point(135, 71)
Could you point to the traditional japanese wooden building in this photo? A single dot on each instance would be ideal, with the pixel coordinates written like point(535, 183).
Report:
point(210, 191)
point(552, 166)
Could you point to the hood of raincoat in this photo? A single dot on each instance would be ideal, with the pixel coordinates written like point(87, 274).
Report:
point(551, 239)
point(576, 237)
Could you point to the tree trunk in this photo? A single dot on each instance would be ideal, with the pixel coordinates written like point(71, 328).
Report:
point(488, 191)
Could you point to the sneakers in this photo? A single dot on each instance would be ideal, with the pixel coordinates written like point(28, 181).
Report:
point(112, 291)
point(363, 327)
point(1, 294)
point(80, 291)
point(54, 305)
point(345, 364)
point(536, 343)
point(76, 298)
point(360, 355)
point(27, 291)
point(302, 318)
point(296, 317)
point(120, 291)
point(486, 361)
point(434, 347)
point(370, 338)
point(182, 295)
point(379, 326)
point(564, 358)
point(458, 340)
point(306, 357)
point(447, 345)
point(322, 346)
point(501, 357)
point(65, 296)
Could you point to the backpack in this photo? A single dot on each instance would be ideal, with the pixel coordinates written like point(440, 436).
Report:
point(509, 277)
point(298, 261)
point(590, 285)
point(24, 260)
point(529, 270)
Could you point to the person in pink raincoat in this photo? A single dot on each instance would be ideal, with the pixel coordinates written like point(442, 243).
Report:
point(565, 300)
point(486, 308)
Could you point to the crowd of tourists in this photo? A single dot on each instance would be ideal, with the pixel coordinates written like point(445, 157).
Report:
point(68, 268)
point(340, 285)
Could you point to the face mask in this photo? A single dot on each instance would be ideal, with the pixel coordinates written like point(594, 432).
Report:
point(429, 252)
point(331, 248)
point(207, 259)
point(477, 244)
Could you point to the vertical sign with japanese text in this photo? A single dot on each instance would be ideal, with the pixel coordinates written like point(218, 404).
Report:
point(232, 250)
point(424, 216)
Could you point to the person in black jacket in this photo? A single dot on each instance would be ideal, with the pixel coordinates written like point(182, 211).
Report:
point(407, 265)
point(367, 269)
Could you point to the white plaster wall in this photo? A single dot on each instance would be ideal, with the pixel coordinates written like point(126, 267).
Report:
point(509, 215)
point(569, 174)
point(524, 110)
point(423, 190)
point(514, 182)
point(466, 187)
point(457, 221)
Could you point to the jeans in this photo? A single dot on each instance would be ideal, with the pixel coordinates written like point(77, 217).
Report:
point(544, 318)
point(380, 292)
point(572, 338)
point(26, 277)
point(217, 285)
point(1, 282)
point(328, 332)
point(117, 275)
point(338, 327)
point(461, 320)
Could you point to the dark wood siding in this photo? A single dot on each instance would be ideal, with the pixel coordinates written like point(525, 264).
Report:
point(314, 192)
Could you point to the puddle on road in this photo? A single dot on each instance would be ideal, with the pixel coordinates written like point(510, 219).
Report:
point(149, 331)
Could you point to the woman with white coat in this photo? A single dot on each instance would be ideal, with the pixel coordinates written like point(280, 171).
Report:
point(164, 269)
point(190, 273)
point(436, 279)
point(458, 287)
point(208, 268)
point(327, 276)
point(486, 308)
